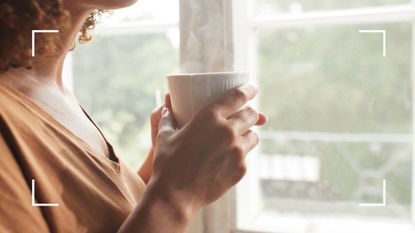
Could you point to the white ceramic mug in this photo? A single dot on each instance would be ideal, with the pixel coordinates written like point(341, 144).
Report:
point(191, 92)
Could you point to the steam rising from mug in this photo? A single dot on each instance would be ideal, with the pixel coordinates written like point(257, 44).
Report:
point(206, 27)
point(206, 52)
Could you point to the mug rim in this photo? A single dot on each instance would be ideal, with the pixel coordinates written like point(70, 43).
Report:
point(209, 74)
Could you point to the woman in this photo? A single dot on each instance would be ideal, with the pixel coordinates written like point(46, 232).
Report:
point(48, 139)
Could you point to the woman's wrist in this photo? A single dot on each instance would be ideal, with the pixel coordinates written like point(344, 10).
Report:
point(180, 207)
point(158, 212)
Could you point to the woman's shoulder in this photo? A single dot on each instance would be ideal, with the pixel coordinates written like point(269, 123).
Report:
point(7, 102)
point(14, 112)
point(7, 96)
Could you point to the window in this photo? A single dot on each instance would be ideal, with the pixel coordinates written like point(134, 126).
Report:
point(341, 116)
point(273, 7)
point(120, 75)
point(341, 113)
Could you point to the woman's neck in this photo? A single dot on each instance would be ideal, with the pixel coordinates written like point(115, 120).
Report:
point(47, 70)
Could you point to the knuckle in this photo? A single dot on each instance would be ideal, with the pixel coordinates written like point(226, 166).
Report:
point(210, 114)
point(240, 172)
point(228, 133)
point(241, 94)
point(238, 153)
point(242, 169)
point(252, 112)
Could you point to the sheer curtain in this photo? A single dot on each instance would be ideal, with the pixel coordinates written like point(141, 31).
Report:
point(207, 46)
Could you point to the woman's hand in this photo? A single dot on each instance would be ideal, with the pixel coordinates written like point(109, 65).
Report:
point(195, 165)
point(146, 169)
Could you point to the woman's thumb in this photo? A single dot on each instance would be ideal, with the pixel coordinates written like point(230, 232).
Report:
point(166, 124)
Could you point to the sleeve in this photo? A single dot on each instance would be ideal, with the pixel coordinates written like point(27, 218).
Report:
point(17, 215)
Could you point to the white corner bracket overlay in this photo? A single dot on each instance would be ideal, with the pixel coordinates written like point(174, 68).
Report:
point(34, 38)
point(40, 204)
point(383, 32)
point(383, 204)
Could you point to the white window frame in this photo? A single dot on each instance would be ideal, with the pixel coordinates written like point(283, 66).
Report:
point(250, 218)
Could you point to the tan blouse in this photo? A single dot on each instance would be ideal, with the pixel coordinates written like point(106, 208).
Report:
point(94, 193)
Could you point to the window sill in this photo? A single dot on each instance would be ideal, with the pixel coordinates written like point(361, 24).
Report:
point(271, 222)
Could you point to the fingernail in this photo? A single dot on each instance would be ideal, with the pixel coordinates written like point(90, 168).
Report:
point(250, 87)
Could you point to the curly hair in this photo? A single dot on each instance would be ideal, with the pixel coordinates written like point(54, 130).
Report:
point(17, 20)
point(89, 24)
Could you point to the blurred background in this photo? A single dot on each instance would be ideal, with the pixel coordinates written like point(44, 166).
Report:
point(341, 114)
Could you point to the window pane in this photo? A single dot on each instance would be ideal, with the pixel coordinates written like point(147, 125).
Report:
point(116, 78)
point(335, 79)
point(266, 7)
point(340, 121)
point(147, 10)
